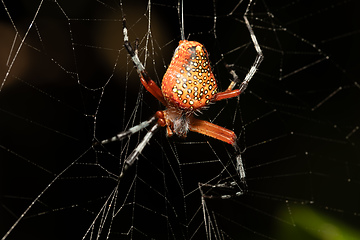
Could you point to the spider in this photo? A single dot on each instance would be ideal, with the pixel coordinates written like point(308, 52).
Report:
point(187, 86)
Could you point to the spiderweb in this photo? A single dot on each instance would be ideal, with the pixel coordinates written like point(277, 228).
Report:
point(67, 81)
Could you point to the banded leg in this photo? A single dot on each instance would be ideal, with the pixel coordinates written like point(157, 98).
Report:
point(240, 166)
point(223, 134)
point(130, 160)
point(145, 79)
point(130, 131)
point(229, 92)
point(228, 189)
point(257, 47)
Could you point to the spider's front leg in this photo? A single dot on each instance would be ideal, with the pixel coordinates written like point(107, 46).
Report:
point(145, 79)
point(229, 92)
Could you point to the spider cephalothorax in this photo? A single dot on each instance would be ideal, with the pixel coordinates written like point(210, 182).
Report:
point(176, 121)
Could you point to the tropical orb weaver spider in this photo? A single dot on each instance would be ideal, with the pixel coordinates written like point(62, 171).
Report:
point(187, 86)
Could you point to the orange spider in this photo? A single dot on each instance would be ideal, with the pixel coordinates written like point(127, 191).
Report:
point(187, 86)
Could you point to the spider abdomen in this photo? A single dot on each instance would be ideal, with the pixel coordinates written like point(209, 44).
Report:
point(189, 83)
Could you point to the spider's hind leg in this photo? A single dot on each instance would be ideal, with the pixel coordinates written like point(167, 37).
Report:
point(231, 187)
point(240, 166)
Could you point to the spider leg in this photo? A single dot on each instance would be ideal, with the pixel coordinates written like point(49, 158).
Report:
point(130, 160)
point(240, 165)
point(229, 92)
point(145, 79)
point(130, 131)
point(212, 130)
point(223, 134)
point(220, 190)
point(159, 121)
point(257, 47)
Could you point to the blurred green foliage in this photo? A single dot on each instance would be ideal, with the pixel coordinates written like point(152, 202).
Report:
point(311, 224)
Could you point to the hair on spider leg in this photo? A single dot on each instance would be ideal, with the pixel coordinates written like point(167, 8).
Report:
point(199, 111)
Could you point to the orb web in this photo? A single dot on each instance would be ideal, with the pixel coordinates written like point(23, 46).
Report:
point(66, 81)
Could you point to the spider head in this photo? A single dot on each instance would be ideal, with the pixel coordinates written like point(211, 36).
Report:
point(177, 122)
point(189, 83)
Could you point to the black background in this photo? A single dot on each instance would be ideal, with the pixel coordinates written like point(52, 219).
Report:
point(295, 127)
